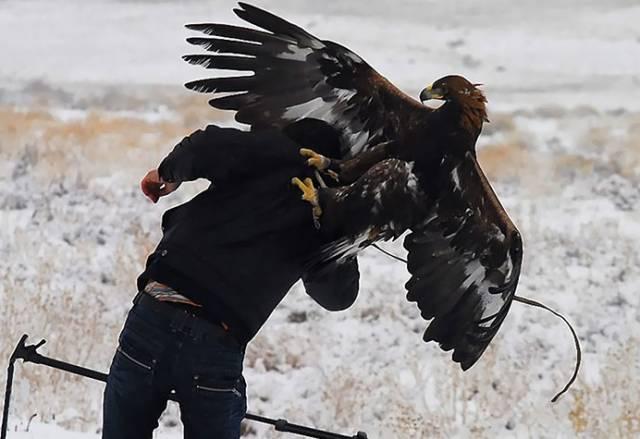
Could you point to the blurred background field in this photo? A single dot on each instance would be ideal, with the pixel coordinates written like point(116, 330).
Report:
point(91, 98)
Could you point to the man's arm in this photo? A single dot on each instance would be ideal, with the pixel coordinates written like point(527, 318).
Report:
point(213, 153)
point(334, 286)
point(219, 153)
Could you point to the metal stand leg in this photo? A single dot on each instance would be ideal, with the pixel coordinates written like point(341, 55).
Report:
point(7, 393)
point(29, 354)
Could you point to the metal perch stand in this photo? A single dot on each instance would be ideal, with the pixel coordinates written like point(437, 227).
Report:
point(29, 354)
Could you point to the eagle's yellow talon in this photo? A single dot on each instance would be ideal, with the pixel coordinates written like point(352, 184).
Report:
point(309, 194)
point(308, 189)
point(334, 175)
point(315, 160)
point(317, 163)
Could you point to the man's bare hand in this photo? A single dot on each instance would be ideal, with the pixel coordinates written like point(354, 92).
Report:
point(154, 187)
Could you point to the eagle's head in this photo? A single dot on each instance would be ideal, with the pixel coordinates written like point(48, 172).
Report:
point(468, 97)
point(453, 88)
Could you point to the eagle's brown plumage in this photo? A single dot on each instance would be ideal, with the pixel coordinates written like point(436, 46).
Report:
point(297, 76)
point(472, 102)
point(403, 166)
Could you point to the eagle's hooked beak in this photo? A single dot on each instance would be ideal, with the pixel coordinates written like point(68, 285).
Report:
point(431, 93)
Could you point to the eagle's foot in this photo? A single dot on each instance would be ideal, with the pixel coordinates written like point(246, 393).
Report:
point(318, 161)
point(309, 194)
point(314, 159)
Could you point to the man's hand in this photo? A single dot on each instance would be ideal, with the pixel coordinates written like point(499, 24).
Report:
point(154, 187)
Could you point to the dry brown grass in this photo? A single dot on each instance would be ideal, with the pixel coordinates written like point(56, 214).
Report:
point(105, 142)
point(630, 150)
point(500, 122)
point(610, 407)
point(504, 160)
point(538, 173)
point(280, 353)
point(95, 145)
point(618, 144)
point(51, 282)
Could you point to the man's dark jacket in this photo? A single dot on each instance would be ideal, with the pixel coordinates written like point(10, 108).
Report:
point(238, 247)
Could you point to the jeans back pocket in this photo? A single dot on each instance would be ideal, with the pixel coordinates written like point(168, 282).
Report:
point(135, 350)
point(133, 359)
point(219, 386)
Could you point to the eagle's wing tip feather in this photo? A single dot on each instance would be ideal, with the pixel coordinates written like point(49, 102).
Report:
point(193, 26)
point(466, 365)
point(194, 85)
point(246, 8)
point(194, 41)
point(249, 7)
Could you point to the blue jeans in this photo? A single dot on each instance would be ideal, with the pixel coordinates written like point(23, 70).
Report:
point(159, 354)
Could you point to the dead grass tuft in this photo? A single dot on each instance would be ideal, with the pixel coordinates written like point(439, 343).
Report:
point(98, 144)
point(578, 414)
point(62, 282)
point(504, 160)
point(610, 406)
point(500, 123)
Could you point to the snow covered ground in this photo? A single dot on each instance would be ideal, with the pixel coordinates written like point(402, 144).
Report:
point(91, 99)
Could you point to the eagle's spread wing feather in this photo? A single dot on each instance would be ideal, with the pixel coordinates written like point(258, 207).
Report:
point(465, 262)
point(464, 254)
point(380, 205)
point(296, 76)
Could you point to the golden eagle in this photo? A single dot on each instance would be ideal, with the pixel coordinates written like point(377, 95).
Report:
point(403, 166)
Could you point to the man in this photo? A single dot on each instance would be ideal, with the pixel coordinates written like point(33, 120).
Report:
point(226, 259)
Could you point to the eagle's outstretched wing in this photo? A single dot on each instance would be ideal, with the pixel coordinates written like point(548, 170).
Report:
point(464, 252)
point(382, 204)
point(296, 76)
point(465, 263)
